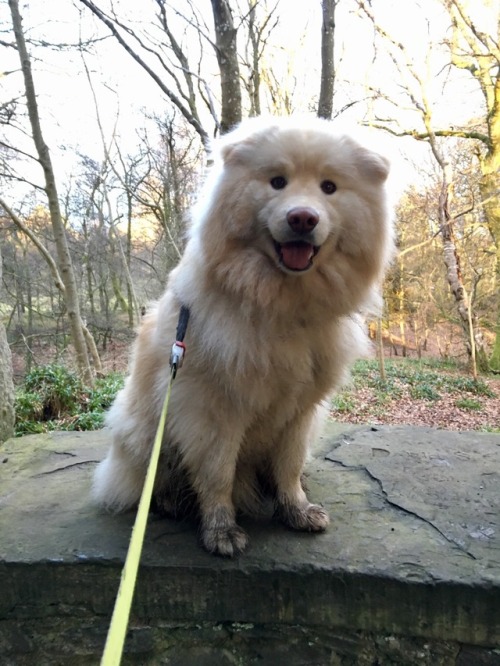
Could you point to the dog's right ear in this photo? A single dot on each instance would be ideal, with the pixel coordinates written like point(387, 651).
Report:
point(238, 150)
point(229, 152)
point(238, 145)
point(230, 146)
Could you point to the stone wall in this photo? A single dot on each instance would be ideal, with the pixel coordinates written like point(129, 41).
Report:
point(407, 574)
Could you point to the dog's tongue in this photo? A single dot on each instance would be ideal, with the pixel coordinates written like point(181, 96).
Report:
point(296, 255)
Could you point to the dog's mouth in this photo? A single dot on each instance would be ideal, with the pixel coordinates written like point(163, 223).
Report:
point(296, 255)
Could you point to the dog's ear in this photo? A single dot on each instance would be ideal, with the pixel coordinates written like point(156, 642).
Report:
point(238, 150)
point(238, 146)
point(231, 151)
point(373, 166)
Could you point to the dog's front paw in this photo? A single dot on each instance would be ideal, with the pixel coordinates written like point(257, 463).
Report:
point(309, 518)
point(221, 535)
point(225, 541)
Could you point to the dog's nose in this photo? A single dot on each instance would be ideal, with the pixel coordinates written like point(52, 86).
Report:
point(302, 220)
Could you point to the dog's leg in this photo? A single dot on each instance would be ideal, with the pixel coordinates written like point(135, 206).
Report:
point(209, 457)
point(214, 485)
point(288, 458)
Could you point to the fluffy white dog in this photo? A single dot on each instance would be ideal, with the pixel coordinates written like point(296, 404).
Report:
point(289, 241)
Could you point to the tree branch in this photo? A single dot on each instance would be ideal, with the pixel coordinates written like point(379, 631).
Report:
point(40, 247)
point(424, 136)
point(188, 115)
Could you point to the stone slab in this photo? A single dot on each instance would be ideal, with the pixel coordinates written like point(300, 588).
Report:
point(413, 548)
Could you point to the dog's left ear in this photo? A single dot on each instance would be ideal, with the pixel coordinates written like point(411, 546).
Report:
point(373, 166)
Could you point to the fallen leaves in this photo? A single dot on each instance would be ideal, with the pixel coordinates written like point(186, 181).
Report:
point(454, 410)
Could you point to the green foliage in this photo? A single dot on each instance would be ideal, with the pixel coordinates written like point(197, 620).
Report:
point(494, 361)
point(469, 403)
point(434, 363)
point(425, 379)
point(343, 402)
point(27, 405)
point(104, 391)
point(470, 385)
point(54, 398)
point(57, 388)
point(425, 389)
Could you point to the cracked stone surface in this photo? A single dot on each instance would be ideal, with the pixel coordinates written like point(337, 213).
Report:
point(449, 482)
point(413, 547)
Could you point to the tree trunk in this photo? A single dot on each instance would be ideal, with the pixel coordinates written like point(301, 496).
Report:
point(132, 304)
point(455, 280)
point(490, 192)
point(450, 254)
point(380, 351)
point(7, 414)
point(64, 257)
point(477, 52)
point(325, 104)
point(454, 273)
point(227, 57)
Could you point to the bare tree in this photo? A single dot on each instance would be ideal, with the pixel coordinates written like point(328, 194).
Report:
point(259, 30)
point(476, 50)
point(173, 71)
point(188, 59)
point(168, 180)
point(58, 282)
point(100, 180)
point(67, 276)
point(415, 88)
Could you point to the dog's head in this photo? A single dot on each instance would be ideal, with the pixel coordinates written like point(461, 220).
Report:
point(300, 197)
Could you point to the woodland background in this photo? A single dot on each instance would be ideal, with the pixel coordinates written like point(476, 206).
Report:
point(107, 110)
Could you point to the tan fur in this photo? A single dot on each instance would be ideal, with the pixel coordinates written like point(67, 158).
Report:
point(265, 345)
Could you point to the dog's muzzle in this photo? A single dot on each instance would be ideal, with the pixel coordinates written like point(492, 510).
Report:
point(297, 254)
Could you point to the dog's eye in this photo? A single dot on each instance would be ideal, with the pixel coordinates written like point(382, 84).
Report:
point(328, 187)
point(278, 182)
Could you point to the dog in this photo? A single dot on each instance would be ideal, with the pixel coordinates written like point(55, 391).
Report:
point(287, 245)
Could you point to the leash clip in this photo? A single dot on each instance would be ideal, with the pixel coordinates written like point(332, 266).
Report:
point(177, 356)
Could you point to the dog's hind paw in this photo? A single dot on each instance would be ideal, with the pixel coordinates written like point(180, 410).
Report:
point(311, 518)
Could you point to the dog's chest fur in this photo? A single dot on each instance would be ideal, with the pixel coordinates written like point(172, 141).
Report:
point(265, 361)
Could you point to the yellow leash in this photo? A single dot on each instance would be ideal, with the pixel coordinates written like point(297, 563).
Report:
point(115, 640)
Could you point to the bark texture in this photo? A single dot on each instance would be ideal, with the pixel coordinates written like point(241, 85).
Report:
point(325, 104)
point(227, 57)
point(7, 414)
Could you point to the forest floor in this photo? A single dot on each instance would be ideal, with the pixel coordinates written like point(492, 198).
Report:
point(429, 391)
point(421, 393)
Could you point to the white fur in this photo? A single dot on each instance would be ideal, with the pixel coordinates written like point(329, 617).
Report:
point(264, 345)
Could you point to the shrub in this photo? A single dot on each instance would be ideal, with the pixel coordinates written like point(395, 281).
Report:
point(54, 398)
point(424, 391)
point(57, 388)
